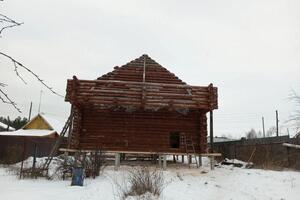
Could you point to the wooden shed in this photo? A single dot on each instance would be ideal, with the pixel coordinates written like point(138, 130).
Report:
point(37, 137)
point(139, 107)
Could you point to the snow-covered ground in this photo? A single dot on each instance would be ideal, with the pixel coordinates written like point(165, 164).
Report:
point(225, 182)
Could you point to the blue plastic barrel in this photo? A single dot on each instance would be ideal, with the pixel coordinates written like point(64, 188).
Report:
point(77, 177)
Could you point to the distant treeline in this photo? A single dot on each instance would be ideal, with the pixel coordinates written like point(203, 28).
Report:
point(16, 123)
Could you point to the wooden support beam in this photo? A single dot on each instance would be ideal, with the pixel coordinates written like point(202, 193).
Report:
point(190, 159)
point(117, 161)
point(212, 162)
point(277, 132)
point(211, 131)
point(164, 162)
point(159, 161)
point(139, 152)
point(200, 160)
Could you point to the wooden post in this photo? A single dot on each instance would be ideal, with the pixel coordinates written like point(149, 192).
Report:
point(117, 161)
point(182, 158)
point(263, 125)
point(95, 155)
point(190, 159)
point(23, 158)
point(33, 174)
point(212, 163)
point(288, 156)
point(164, 162)
point(30, 109)
point(200, 160)
point(159, 161)
point(211, 131)
point(84, 161)
point(65, 164)
point(235, 157)
point(70, 128)
point(277, 132)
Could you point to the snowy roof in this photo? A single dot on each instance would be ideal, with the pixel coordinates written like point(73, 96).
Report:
point(29, 132)
point(56, 126)
point(4, 126)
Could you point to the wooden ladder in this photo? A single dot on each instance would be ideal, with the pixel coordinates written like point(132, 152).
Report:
point(189, 148)
point(57, 143)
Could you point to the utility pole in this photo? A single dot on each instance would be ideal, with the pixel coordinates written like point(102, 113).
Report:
point(30, 109)
point(263, 125)
point(40, 102)
point(277, 133)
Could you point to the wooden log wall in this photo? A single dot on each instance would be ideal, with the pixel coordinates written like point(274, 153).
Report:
point(152, 95)
point(137, 131)
point(136, 107)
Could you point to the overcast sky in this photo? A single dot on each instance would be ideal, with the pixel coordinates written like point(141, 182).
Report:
point(250, 50)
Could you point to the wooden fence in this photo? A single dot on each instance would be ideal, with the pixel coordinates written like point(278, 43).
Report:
point(15, 148)
point(263, 152)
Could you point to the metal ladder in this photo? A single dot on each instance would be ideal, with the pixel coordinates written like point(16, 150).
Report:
point(57, 143)
point(189, 148)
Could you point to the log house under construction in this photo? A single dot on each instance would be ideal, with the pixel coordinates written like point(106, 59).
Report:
point(140, 107)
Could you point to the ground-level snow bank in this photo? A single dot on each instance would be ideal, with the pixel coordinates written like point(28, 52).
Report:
point(225, 182)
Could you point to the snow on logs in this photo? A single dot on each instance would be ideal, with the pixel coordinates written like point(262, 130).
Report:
point(137, 94)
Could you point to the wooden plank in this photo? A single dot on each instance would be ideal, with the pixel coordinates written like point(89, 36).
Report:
point(141, 152)
point(291, 145)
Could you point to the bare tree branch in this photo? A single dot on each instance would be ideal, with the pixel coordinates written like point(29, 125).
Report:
point(11, 23)
point(3, 100)
point(295, 117)
point(17, 73)
point(18, 64)
point(2, 84)
point(8, 100)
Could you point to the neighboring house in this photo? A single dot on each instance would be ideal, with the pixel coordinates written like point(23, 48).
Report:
point(139, 107)
point(40, 126)
point(39, 133)
point(5, 127)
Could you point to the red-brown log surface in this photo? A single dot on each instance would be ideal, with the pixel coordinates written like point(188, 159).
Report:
point(125, 87)
point(137, 131)
point(126, 93)
point(133, 71)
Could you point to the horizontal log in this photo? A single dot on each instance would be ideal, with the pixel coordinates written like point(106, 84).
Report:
point(140, 152)
point(93, 82)
point(291, 145)
point(126, 93)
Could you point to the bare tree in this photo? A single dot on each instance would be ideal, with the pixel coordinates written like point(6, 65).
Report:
point(251, 134)
point(296, 115)
point(6, 23)
point(271, 131)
